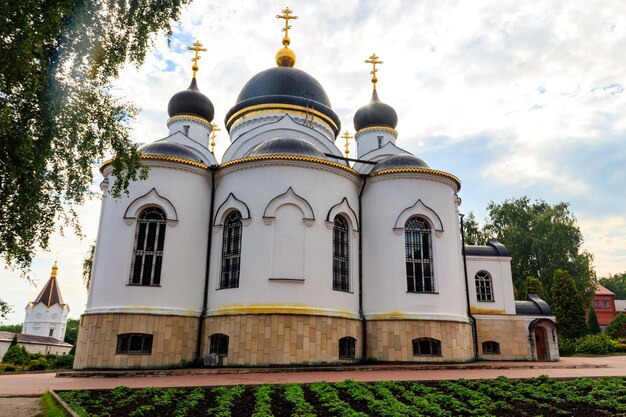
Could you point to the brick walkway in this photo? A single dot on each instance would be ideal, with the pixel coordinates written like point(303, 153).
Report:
point(35, 384)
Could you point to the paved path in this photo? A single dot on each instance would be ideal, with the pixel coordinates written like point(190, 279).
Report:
point(19, 407)
point(36, 384)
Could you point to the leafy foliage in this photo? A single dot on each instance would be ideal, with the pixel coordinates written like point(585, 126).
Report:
point(533, 285)
point(473, 233)
point(592, 322)
point(568, 306)
point(88, 265)
point(596, 344)
point(13, 328)
point(17, 355)
point(57, 119)
point(617, 327)
point(542, 238)
point(71, 331)
point(616, 283)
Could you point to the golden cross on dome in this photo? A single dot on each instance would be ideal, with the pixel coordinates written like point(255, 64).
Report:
point(197, 46)
point(347, 137)
point(287, 15)
point(374, 61)
point(214, 130)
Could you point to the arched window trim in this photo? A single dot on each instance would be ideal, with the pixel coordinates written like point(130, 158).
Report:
point(419, 209)
point(341, 254)
point(426, 346)
point(218, 344)
point(491, 348)
point(148, 248)
point(231, 251)
point(230, 204)
point(346, 211)
point(484, 286)
point(289, 197)
point(419, 258)
point(151, 199)
point(347, 348)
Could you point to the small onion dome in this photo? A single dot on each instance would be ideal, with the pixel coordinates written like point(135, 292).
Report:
point(375, 113)
point(172, 150)
point(286, 86)
point(398, 162)
point(191, 102)
point(286, 146)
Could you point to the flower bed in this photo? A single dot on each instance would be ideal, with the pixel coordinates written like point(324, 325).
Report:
point(488, 398)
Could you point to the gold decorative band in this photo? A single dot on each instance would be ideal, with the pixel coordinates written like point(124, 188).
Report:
point(367, 129)
point(418, 170)
point(187, 116)
point(288, 157)
point(266, 108)
point(174, 159)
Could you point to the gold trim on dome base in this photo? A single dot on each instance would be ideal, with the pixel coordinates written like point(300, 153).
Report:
point(288, 157)
point(173, 159)
point(273, 107)
point(418, 170)
point(367, 129)
point(187, 116)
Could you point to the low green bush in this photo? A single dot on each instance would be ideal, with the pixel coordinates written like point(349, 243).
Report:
point(617, 328)
point(595, 344)
point(16, 355)
point(39, 364)
point(567, 347)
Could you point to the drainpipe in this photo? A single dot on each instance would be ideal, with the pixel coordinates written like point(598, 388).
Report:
point(207, 268)
point(467, 297)
point(361, 313)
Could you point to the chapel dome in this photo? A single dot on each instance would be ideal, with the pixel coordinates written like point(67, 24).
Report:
point(375, 113)
point(172, 150)
point(286, 146)
point(280, 88)
point(191, 102)
point(399, 162)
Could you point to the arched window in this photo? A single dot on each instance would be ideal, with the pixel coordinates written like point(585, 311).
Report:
point(148, 253)
point(419, 256)
point(484, 289)
point(231, 251)
point(425, 346)
point(347, 348)
point(341, 255)
point(491, 347)
point(218, 344)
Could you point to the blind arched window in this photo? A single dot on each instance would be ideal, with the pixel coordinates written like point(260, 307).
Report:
point(484, 288)
point(231, 251)
point(341, 255)
point(148, 253)
point(419, 256)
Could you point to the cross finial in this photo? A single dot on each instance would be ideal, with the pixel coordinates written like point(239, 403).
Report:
point(214, 130)
point(197, 46)
point(347, 137)
point(287, 15)
point(374, 61)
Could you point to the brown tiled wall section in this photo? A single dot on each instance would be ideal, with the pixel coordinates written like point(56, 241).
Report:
point(511, 334)
point(391, 340)
point(282, 339)
point(174, 340)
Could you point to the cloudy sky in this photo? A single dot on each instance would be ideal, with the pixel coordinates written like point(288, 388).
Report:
point(515, 98)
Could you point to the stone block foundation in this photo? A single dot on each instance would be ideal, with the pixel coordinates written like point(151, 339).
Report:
point(174, 340)
point(282, 339)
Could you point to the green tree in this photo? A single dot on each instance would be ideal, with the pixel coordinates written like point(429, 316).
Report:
point(568, 306)
point(592, 322)
point(71, 331)
point(617, 327)
point(13, 328)
point(533, 285)
point(16, 354)
point(57, 119)
point(88, 265)
point(615, 283)
point(474, 235)
point(542, 238)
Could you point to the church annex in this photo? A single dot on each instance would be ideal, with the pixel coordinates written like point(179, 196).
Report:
point(288, 252)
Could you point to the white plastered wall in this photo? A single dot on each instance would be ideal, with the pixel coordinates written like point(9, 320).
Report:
point(40, 319)
point(499, 267)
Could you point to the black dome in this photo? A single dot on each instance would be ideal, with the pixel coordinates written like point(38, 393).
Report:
point(191, 102)
point(399, 161)
point(284, 85)
point(174, 150)
point(375, 113)
point(286, 146)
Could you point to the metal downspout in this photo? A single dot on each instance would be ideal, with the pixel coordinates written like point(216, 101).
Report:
point(361, 313)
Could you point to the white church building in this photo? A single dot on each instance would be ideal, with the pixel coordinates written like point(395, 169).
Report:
point(286, 251)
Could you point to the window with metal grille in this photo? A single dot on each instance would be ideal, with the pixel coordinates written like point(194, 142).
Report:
point(134, 343)
point(341, 255)
point(419, 256)
point(148, 253)
point(347, 348)
point(484, 288)
point(218, 344)
point(491, 347)
point(231, 251)
point(425, 346)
